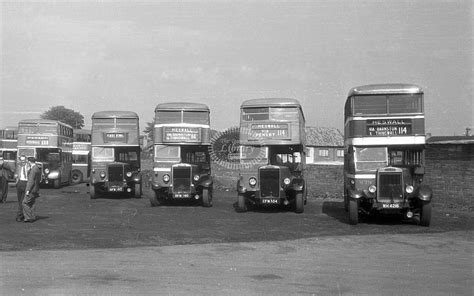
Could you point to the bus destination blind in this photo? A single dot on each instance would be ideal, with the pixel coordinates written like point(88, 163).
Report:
point(389, 127)
point(181, 134)
point(269, 131)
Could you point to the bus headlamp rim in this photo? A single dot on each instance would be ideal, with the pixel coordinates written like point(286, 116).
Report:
point(46, 171)
point(409, 189)
point(166, 178)
point(287, 181)
point(252, 181)
point(372, 188)
point(129, 174)
point(102, 174)
point(196, 177)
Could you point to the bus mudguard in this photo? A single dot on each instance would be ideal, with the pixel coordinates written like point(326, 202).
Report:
point(297, 184)
point(206, 181)
point(424, 193)
point(137, 177)
point(355, 194)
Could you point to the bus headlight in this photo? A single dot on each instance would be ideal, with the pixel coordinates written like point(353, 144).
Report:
point(287, 181)
point(46, 171)
point(409, 189)
point(372, 188)
point(166, 178)
point(129, 174)
point(252, 181)
point(196, 178)
point(352, 181)
point(102, 174)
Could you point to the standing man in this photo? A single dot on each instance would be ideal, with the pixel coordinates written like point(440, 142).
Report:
point(21, 176)
point(32, 191)
point(5, 171)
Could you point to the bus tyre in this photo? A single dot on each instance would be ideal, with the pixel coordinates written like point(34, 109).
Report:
point(57, 183)
point(242, 203)
point(353, 211)
point(156, 199)
point(346, 203)
point(425, 214)
point(137, 191)
point(207, 197)
point(299, 203)
point(92, 191)
point(76, 177)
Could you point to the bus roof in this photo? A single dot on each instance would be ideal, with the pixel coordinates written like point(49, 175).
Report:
point(114, 114)
point(271, 102)
point(40, 120)
point(184, 106)
point(387, 88)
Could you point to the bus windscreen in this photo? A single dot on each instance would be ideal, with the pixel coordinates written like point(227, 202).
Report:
point(370, 158)
point(164, 152)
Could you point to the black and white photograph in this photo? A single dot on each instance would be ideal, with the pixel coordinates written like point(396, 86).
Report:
point(249, 147)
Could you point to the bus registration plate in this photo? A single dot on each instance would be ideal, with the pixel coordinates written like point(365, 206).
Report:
point(181, 195)
point(115, 189)
point(270, 201)
point(391, 206)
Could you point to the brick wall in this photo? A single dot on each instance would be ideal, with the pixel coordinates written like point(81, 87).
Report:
point(325, 180)
point(450, 173)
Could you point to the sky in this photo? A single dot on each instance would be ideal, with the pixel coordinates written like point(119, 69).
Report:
point(127, 55)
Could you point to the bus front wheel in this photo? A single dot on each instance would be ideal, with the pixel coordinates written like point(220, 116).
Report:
point(156, 199)
point(242, 203)
point(299, 203)
point(92, 191)
point(76, 177)
point(57, 183)
point(137, 192)
point(207, 197)
point(425, 214)
point(353, 211)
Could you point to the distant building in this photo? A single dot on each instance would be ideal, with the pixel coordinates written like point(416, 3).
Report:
point(325, 145)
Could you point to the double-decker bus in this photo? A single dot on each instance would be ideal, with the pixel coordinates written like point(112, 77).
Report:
point(384, 135)
point(8, 148)
point(182, 168)
point(50, 142)
point(272, 154)
point(115, 159)
point(81, 155)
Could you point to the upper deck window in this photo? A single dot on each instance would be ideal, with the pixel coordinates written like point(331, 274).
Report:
point(285, 113)
point(254, 114)
point(127, 122)
point(103, 123)
point(270, 113)
point(388, 104)
point(44, 128)
point(8, 134)
point(370, 105)
point(196, 117)
point(404, 104)
point(168, 117)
